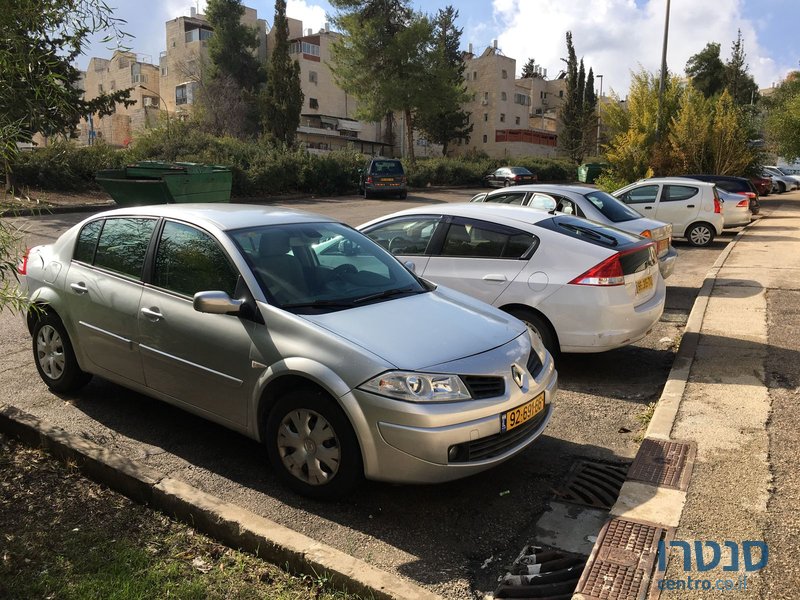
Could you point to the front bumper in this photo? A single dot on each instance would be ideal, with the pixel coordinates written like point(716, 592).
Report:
point(666, 263)
point(409, 442)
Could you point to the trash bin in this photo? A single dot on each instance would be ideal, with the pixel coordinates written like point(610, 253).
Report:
point(588, 172)
point(157, 182)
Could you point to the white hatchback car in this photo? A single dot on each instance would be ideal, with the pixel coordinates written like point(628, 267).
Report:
point(693, 207)
point(581, 286)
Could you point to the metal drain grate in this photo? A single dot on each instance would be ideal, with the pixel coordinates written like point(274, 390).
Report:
point(668, 464)
point(622, 561)
point(542, 574)
point(593, 484)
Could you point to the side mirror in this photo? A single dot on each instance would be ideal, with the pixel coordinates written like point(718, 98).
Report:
point(216, 303)
point(410, 266)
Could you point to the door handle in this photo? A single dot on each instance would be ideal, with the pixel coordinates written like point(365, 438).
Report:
point(152, 314)
point(648, 208)
point(690, 206)
point(79, 287)
point(495, 277)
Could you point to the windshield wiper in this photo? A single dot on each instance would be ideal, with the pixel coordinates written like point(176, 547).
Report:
point(386, 294)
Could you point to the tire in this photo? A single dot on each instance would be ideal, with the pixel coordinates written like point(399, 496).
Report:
point(781, 187)
point(54, 357)
point(700, 234)
point(367, 195)
point(539, 326)
point(403, 195)
point(507, 183)
point(339, 470)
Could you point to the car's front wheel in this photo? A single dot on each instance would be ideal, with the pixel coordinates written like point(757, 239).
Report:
point(700, 234)
point(54, 357)
point(312, 446)
point(538, 326)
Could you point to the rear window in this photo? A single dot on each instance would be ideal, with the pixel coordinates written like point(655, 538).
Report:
point(590, 231)
point(520, 171)
point(733, 186)
point(612, 209)
point(387, 167)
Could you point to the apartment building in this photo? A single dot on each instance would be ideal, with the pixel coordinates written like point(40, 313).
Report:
point(122, 71)
point(510, 116)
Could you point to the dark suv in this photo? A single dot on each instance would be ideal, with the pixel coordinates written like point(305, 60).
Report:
point(735, 185)
point(383, 176)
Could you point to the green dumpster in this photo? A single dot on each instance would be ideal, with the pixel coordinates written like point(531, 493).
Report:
point(157, 182)
point(588, 172)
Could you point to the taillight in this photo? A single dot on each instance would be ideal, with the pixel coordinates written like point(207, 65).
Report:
point(743, 203)
point(517, 177)
point(369, 179)
point(717, 205)
point(22, 263)
point(608, 272)
point(646, 233)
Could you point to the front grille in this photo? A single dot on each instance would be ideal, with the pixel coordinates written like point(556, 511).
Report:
point(499, 443)
point(534, 365)
point(484, 387)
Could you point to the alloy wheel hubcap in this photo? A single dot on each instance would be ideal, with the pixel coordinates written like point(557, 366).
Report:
point(50, 352)
point(308, 447)
point(701, 235)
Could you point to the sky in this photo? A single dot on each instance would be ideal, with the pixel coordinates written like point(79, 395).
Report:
point(614, 37)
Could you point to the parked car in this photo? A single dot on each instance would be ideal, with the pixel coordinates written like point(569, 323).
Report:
point(506, 176)
point(594, 204)
point(736, 185)
point(580, 286)
point(382, 177)
point(763, 184)
point(735, 209)
point(292, 329)
point(691, 206)
point(784, 181)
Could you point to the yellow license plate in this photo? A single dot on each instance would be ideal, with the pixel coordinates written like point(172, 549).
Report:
point(662, 245)
point(644, 284)
point(517, 416)
point(387, 179)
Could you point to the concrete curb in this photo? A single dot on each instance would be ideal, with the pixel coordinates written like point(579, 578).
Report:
point(231, 524)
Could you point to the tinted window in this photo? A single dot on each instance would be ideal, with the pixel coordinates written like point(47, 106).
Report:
point(520, 171)
point(123, 245)
point(589, 231)
point(189, 261)
point(640, 195)
point(87, 241)
point(507, 198)
point(675, 193)
point(612, 209)
point(387, 167)
point(481, 241)
point(405, 236)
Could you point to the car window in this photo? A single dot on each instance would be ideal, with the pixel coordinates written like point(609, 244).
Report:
point(87, 241)
point(189, 261)
point(507, 198)
point(640, 195)
point(589, 231)
point(477, 240)
point(543, 202)
point(611, 208)
point(122, 245)
point(676, 193)
point(387, 167)
point(405, 236)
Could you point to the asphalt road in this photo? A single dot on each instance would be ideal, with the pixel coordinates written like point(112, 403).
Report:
point(439, 535)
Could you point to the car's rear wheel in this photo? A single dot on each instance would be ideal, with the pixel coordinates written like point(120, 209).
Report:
point(538, 326)
point(781, 187)
point(54, 357)
point(403, 195)
point(507, 183)
point(312, 446)
point(700, 234)
point(367, 195)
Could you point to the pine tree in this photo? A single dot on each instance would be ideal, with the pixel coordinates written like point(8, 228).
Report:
point(231, 47)
point(571, 110)
point(739, 83)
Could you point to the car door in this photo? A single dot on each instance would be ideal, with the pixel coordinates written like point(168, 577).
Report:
point(408, 238)
point(642, 199)
point(104, 287)
point(479, 258)
point(198, 359)
point(679, 205)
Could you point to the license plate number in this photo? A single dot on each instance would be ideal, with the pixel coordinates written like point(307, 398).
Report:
point(662, 246)
point(645, 283)
point(521, 414)
point(387, 179)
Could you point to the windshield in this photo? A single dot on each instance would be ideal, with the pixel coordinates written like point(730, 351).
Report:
point(320, 267)
point(612, 209)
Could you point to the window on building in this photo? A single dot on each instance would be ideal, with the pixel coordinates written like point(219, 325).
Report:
point(304, 48)
point(313, 103)
point(522, 99)
point(503, 96)
point(516, 120)
point(474, 76)
point(181, 97)
point(560, 93)
point(312, 77)
point(505, 74)
point(99, 88)
point(502, 117)
point(485, 117)
point(485, 139)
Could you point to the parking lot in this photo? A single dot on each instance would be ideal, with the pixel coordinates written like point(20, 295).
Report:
point(439, 536)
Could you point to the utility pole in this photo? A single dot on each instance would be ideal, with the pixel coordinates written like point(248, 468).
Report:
point(663, 84)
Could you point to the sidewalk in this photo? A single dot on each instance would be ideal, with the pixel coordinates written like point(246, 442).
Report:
point(732, 399)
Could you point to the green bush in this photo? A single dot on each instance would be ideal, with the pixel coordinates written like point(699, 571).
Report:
point(62, 165)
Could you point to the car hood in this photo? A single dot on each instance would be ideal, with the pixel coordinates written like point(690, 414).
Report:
point(427, 329)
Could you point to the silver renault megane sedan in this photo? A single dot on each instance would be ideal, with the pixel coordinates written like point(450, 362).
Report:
point(343, 363)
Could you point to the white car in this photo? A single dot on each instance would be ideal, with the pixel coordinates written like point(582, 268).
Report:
point(591, 203)
point(693, 207)
point(735, 209)
point(580, 286)
point(783, 180)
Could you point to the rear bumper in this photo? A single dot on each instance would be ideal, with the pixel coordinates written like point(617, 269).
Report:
point(666, 264)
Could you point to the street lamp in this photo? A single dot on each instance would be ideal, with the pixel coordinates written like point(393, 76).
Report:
point(599, 98)
point(166, 108)
point(663, 83)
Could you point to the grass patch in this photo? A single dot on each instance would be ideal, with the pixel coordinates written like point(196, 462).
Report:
point(644, 419)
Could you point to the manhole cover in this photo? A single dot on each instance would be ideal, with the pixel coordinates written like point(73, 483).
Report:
point(664, 463)
point(541, 573)
point(593, 484)
point(622, 561)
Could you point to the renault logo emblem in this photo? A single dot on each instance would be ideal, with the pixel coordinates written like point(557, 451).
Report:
point(517, 375)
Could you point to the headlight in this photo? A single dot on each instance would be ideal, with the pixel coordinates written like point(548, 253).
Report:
point(418, 387)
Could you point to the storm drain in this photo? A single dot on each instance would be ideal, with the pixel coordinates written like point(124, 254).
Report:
point(622, 562)
point(542, 574)
point(594, 484)
point(663, 463)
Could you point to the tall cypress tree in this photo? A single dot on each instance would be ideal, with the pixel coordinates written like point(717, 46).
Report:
point(571, 110)
point(232, 44)
point(283, 98)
